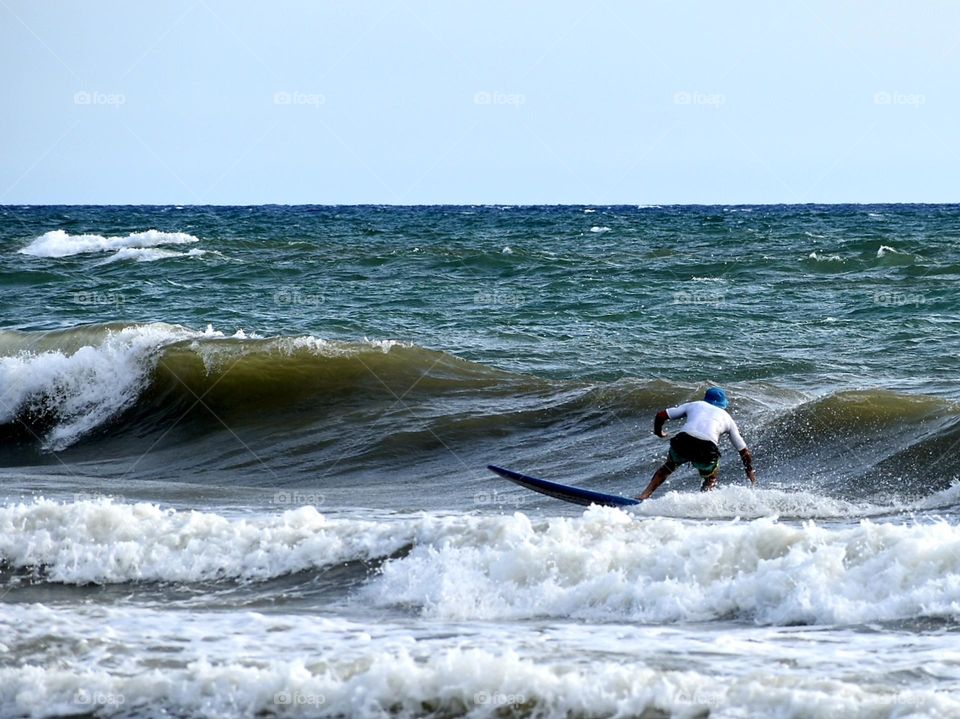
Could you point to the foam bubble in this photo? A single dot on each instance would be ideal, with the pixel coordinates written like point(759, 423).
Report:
point(597, 229)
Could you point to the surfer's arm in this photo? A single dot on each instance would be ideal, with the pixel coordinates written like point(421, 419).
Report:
point(659, 421)
point(747, 460)
point(665, 414)
point(741, 447)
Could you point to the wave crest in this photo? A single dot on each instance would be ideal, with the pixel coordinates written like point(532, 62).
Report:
point(59, 243)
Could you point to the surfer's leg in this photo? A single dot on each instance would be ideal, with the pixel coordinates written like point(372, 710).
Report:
point(708, 473)
point(658, 477)
point(709, 483)
point(707, 463)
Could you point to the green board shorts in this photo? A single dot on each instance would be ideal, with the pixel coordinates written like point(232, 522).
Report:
point(703, 454)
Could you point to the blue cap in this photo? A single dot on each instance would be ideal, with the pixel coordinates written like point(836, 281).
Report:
point(717, 397)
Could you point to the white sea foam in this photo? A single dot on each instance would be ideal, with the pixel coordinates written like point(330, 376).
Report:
point(949, 497)
point(149, 254)
point(609, 566)
point(246, 664)
point(741, 501)
point(106, 542)
point(214, 355)
point(887, 249)
point(455, 682)
point(825, 258)
point(58, 243)
point(604, 565)
point(597, 229)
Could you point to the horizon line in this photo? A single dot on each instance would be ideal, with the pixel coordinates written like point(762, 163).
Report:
point(651, 205)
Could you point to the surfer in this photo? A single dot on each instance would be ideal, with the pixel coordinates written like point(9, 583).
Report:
point(707, 420)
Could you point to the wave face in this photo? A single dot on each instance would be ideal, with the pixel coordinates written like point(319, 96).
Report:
point(107, 382)
point(186, 397)
point(889, 441)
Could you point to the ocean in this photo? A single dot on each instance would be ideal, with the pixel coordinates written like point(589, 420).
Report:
point(243, 457)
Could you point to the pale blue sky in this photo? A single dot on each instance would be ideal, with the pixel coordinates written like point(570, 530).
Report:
point(202, 101)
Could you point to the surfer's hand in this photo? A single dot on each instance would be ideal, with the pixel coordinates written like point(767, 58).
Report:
point(752, 476)
point(661, 434)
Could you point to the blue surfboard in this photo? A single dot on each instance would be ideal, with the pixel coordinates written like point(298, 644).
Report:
point(574, 495)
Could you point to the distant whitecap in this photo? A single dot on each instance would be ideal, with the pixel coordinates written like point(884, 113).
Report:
point(59, 243)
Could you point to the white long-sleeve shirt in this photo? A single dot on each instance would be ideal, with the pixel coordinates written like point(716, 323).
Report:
point(706, 421)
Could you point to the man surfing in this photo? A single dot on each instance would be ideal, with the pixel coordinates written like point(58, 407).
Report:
point(707, 420)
